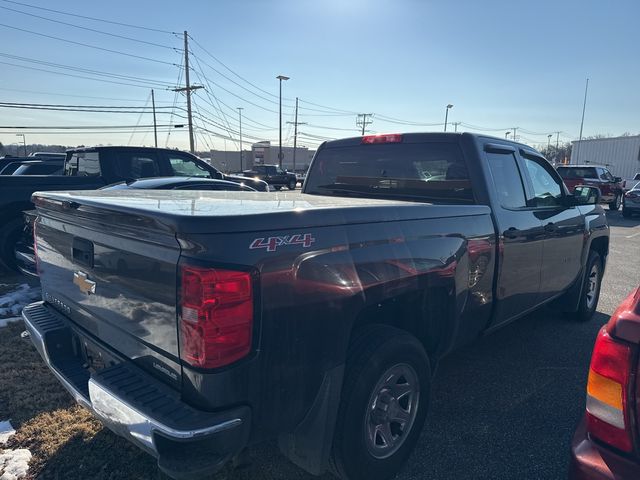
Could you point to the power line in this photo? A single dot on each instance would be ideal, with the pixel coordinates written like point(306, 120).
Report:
point(75, 76)
point(89, 18)
point(77, 96)
point(74, 127)
point(91, 29)
point(230, 70)
point(82, 70)
point(87, 45)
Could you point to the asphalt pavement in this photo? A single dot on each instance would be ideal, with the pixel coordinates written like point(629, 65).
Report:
point(506, 406)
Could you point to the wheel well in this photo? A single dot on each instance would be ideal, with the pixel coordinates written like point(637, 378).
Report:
point(601, 245)
point(14, 210)
point(425, 314)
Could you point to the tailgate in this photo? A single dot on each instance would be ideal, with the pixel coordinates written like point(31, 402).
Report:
point(114, 275)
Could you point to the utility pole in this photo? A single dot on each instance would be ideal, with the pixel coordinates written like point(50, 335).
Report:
point(515, 129)
point(455, 125)
point(155, 125)
point(549, 142)
point(361, 120)
point(584, 106)
point(240, 113)
point(295, 134)
point(188, 88)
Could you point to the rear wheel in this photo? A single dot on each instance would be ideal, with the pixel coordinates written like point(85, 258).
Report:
point(292, 185)
point(383, 404)
point(590, 288)
point(615, 205)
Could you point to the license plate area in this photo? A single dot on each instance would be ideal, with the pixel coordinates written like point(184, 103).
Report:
point(94, 356)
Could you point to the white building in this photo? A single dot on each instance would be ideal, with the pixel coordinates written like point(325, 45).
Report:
point(620, 154)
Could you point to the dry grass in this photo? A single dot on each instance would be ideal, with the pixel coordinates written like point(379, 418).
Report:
point(65, 440)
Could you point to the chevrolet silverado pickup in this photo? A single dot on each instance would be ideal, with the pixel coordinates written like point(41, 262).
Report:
point(92, 168)
point(197, 323)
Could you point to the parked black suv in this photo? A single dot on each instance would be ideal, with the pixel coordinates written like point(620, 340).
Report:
point(273, 175)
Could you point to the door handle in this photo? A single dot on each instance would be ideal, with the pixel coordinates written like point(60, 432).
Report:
point(550, 227)
point(512, 233)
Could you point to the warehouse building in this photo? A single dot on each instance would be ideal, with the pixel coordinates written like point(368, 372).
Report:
point(262, 153)
point(620, 154)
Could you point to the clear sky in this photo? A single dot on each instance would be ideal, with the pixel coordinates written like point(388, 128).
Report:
point(502, 64)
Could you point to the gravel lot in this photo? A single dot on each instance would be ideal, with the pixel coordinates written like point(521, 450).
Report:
point(503, 408)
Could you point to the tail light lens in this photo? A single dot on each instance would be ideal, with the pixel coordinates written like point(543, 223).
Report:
point(385, 138)
point(216, 316)
point(607, 392)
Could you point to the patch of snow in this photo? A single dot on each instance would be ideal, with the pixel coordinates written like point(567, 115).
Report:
point(11, 303)
point(6, 430)
point(6, 321)
point(14, 464)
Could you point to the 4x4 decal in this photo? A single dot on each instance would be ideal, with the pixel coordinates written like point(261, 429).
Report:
point(272, 243)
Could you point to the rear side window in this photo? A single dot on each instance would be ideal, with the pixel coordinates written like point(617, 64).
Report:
point(83, 164)
point(434, 172)
point(577, 173)
point(132, 165)
point(506, 179)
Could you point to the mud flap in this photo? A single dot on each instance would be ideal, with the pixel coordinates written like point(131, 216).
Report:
point(310, 444)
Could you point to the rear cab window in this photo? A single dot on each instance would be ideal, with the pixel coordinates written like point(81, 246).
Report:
point(569, 173)
point(418, 171)
point(82, 164)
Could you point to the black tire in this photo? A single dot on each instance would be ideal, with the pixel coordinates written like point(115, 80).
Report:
point(589, 297)
point(376, 351)
point(278, 187)
point(292, 184)
point(615, 205)
point(10, 234)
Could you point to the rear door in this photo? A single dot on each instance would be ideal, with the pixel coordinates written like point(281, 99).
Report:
point(520, 232)
point(131, 164)
point(563, 226)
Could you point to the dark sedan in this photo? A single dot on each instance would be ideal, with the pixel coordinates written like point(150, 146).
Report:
point(182, 183)
point(606, 445)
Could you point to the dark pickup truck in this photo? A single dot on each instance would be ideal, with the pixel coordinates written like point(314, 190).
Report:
point(197, 323)
point(92, 168)
point(273, 175)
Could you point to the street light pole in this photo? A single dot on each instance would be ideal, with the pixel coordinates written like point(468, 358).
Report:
point(506, 134)
point(549, 142)
point(24, 142)
point(240, 113)
point(446, 116)
point(281, 78)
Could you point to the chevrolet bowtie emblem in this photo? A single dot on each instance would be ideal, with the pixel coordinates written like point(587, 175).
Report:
point(84, 284)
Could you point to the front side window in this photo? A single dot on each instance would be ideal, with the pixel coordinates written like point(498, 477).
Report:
point(546, 190)
point(83, 164)
point(186, 167)
point(507, 180)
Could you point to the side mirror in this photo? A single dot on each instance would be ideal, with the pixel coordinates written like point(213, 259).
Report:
point(617, 179)
point(585, 195)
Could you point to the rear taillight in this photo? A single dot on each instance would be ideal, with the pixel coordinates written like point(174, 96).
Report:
point(607, 392)
point(385, 138)
point(216, 316)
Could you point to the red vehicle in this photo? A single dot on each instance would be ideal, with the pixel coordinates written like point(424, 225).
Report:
point(606, 444)
point(594, 176)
